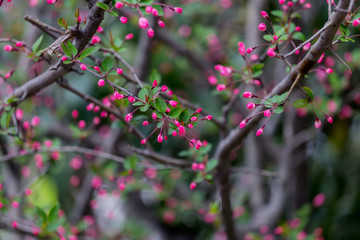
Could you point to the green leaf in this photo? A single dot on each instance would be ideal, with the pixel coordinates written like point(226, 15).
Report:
point(61, 21)
point(143, 93)
point(66, 50)
point(130, 162)
point(53, 213)
point(107, 64)
point(159, 9)
point(145, 107)
point(184, 116)
point(42, 214)
point(175, 112)
point(117, 124)
point(268, 37)
point(5, 119)
point(300, 103)
point(102, 5)
point(279, 110)
point(299, 36)
point(344, 30)
point(88, 51)
point(309, 92)
point(72, 48)
point(146, 2)
point(277, 13)
point(67, 61)
point(160, 105)
point(37, 43)
point(280, 32)
point(211, 165)
point(135, 104)
point(114, 14)
point(155, 75)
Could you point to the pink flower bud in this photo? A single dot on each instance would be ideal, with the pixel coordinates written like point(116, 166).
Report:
point(173, 103)
point(19, 44)
point(83, 67)
point(194, 118)
point(208, 117)
point(155, 83)
point(64, 58)
point(194, 166)
point(148, 9)
point(181, 130)
point(174, 133)
point(128, 117)
point(150, 33)
point(317, 123)
point(8, 48)
point(248, 94)
point(297, 28)
point(190, 125)
point(307, 6)
point(178, 10)
point(95, 39)
point(155, 12)
point(307, 46)
point(129, 36)
point(241, 49)
point(35, 121)
point(153, 115)
point(19, 114)
point(259, 131)
point(267, 113)
point(100, 29)
point(159, 138)
point(96, 68)
point(271, 52)
point(264, 14)
point(329, 119)
point(243, 123)
point(329, 70)
point(281, 1)
point(143, 22)
point(249, 50)
point(192, 185)
point(161, 23)
point(198, 110)
point(28, 192)
point(123, 20)
point(262, 27)
point(118, 96)
point(177, 123)
point(250, 105)
point(14, 224)
point(81, 124)
point(145, 123)
point(119, 5)
point(143, 141)
point(164, 88)
point(290, 4)
point(96, 182)
point(212, 80)
point(101, 82)
point(356, 22)
point(220, 87)
point(119, 71)
point(131, 99)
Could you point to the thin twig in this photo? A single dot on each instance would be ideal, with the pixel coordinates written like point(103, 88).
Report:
point(340, 59)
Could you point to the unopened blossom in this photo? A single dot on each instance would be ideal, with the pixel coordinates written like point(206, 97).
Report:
point(119, 5)
point(259, 131)
point(192, 185)
point(123, 19)
point(128, 117)
point(101, 82)
point(143, 22)
point(262, 27)
point(220, 87)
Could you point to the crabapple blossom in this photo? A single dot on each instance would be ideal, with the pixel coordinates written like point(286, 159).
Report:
point(101, 82)
point(143, 22)
point(262, 27)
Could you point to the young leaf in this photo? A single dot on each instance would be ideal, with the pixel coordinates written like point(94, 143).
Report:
point(88, 51)
point(211, 165)
point(146, 2)
point(309, 92)
point(300, 103)
point(155, 75)
point(37, 43)
point(175, 112)
point(138, 104)
point(66, 50)
point(53, 213)
point(143, 93)
point(299, 36)
point(102, 5)
point(160, 105)
point(72, 48)
point(279, 110)
point(145, 107)
point(107, 64)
